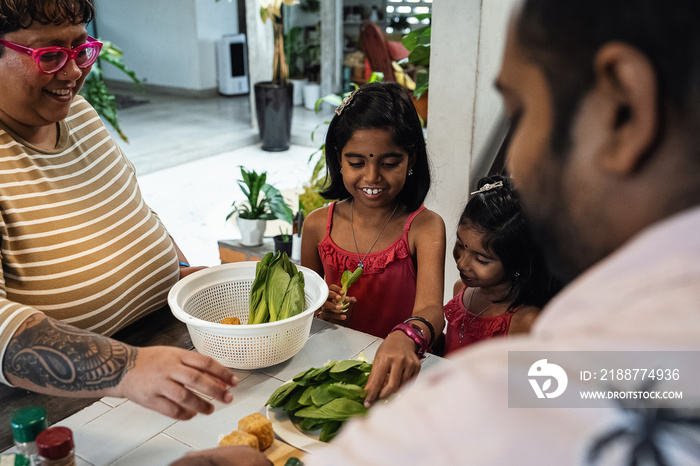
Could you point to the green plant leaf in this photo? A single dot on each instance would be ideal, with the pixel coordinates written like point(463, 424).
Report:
point(278, 206)
point(376, 77)
point(420, 56)
point(421, 84)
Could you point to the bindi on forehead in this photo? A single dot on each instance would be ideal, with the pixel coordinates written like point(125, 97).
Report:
point(371, 155)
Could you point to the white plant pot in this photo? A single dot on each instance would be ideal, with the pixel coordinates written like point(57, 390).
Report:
point(312, 92)
point(251, 231)
point(298, 85)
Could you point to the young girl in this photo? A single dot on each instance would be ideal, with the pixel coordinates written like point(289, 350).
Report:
point(504, 283)
point(377, 166)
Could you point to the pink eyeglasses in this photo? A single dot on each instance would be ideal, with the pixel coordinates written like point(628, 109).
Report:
point(52, 59)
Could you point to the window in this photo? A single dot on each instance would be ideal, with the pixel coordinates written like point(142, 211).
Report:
point(400, 15)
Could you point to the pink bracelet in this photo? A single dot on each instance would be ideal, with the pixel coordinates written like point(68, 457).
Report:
point(415, 333)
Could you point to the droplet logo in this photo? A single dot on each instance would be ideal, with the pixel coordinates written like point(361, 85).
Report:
point(542, 370)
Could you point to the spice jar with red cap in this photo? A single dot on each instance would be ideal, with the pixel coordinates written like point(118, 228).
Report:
point(55, 447)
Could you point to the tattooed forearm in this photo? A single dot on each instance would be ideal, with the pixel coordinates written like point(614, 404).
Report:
point(52, 354)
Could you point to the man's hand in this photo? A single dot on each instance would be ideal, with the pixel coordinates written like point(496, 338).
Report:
point(165, 379)
point(224, 456)
point(394, 364)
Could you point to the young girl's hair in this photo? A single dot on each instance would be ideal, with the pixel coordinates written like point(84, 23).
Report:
point(387, 106)
point(497, 214)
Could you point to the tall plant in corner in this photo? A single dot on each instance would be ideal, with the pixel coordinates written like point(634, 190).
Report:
point(272, 10)
point(274, 99)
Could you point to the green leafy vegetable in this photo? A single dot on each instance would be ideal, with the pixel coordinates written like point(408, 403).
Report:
point(347, 279)
point(339, 409)
point(294, 299)
point(329, 430)
point(325, 397)
point(277, 292)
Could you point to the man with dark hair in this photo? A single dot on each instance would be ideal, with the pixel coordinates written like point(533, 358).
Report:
point(82, 254)
point(603, 96)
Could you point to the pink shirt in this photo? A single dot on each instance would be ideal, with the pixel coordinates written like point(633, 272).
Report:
point(385, 291)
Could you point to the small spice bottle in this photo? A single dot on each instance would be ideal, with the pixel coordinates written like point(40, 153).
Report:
point(14, 460)
point(55, 447)
point(27, 423)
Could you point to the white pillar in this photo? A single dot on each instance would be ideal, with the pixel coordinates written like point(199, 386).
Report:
point(331, 46)
point(467, 40)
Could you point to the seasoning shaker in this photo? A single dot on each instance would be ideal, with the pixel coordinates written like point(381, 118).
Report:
point(27, 423)
point(56, 448)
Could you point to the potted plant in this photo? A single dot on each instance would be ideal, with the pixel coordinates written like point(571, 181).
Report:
point(283, 242)
point(263, 202)
point(274, 100)
point(417, 42)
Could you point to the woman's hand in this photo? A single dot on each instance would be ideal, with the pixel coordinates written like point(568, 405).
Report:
point(394, 364)
point(332, 309)
point(165, 379)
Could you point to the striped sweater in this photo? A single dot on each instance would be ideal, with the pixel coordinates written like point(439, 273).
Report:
point(78, 242)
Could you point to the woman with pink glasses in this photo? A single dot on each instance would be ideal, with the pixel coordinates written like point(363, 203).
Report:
point(82, 255)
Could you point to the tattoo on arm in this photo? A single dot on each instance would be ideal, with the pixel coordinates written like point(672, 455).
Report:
point(50, 353)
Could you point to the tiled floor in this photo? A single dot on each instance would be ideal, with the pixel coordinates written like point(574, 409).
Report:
point(170, 129)
point(187, 152)
point(193, 199)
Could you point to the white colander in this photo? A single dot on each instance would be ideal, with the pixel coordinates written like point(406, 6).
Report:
point(203, 299)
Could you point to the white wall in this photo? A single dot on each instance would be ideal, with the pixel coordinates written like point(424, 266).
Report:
point(466, 46)
point(167, 42)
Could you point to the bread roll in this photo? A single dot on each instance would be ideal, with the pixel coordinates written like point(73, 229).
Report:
point(238, 437)
point(259, 426)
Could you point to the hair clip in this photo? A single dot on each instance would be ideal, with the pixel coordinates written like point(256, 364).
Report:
point(346, 101)
point(489, 187)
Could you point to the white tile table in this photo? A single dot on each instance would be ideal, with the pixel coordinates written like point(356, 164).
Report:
point(117, 432)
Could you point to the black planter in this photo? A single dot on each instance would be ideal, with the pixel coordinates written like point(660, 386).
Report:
point(274, 104)
point(283, 246)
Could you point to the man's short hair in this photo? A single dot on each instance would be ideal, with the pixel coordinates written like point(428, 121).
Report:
point(562, 37)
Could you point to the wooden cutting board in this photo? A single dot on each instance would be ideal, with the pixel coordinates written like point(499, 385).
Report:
point(279, 452)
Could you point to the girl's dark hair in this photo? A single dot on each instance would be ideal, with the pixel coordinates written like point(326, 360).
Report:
point(562, 38)
point(20, 14)
point(380, 105)
point(498, 215)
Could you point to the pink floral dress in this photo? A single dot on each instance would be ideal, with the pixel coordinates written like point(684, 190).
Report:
point(465, 328)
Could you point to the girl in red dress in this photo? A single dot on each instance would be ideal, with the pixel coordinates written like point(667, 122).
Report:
point(503, 282)
point(377, 166)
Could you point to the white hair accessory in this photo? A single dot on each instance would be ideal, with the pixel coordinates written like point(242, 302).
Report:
point(346, 101)
point(489, 187)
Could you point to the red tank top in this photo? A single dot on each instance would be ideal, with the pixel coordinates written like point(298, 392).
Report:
point(465, 328)
point(385, 291)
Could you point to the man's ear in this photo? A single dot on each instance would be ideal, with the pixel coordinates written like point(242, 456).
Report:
point(629, 81)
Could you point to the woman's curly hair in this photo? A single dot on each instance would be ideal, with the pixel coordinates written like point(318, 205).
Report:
point(20, 14)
